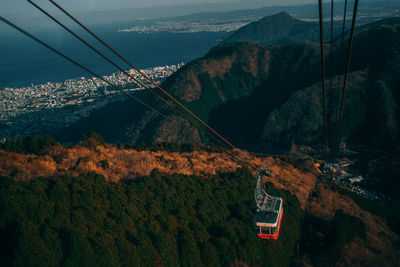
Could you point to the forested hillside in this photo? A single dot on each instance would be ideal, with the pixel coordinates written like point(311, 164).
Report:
point(104, 205)
point(157, 220)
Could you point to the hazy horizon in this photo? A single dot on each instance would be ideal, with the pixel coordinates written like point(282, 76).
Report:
point(12, 8)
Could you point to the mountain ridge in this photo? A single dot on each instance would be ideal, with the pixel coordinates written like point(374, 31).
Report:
point(280, 28)
point(236, 86)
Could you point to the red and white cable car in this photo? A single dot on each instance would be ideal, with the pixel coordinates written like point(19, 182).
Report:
point(269, 210)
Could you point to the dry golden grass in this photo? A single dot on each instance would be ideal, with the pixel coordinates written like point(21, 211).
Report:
point(129, 163)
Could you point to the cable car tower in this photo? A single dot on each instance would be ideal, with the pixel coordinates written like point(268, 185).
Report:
point(269, 209)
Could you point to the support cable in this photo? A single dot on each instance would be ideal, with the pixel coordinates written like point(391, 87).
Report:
point(140, 72)
point(99, 53)
point(323, 75)
point(353, 23)
point(341, 59)
point(78, 64)
point(331, 50)
point(107, 59)
point(233, 156)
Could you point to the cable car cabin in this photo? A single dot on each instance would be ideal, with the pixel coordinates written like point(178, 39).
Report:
point(269, 209)
point(268, 222)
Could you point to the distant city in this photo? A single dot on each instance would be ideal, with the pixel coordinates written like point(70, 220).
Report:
point(191, 27)
point(51, 103)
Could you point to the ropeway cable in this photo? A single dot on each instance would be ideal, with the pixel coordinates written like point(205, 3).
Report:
point(331, 51)
point(341, 58)
point(353, 23)
point(144, 86)
point(140, 83)
point(97, 51)
point(77, 64)
point(323, 75)
point(109, 83)
point(117, 66)
point(140, 72)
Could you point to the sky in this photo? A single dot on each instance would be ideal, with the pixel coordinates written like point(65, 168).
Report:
point(21, 8)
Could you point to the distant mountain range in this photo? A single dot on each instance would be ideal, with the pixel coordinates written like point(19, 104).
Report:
point(277, 28)
point(269, 98)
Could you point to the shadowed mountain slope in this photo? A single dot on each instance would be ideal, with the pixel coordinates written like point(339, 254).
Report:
point(268, 98)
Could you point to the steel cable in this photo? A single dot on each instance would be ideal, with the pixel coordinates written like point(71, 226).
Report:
point(323, 75)
point(77, 64)
point(140, 72)
point(236, 158)
point(341, 58)
point(353, 23)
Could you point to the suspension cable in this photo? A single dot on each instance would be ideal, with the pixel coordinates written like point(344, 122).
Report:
point(140, 72)
point(136, 80)
point(331, 50)
point(233, 156)
point(321, 33)
point(78, 64)
point(106, 58)
point(99, 53)
point(341, 59)
point(353, 23)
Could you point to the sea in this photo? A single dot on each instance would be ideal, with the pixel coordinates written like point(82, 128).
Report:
point(24, 62)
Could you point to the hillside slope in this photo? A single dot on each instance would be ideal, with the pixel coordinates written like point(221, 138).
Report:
point(267, 98)
point(125, 164)
point(224, 74)
point(158, 207)
point(371, 114)
point(158, 220)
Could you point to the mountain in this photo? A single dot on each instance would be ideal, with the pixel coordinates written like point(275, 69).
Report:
point(267, 98)
point(371, 106)
point(280, 28)
point(224, 74)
